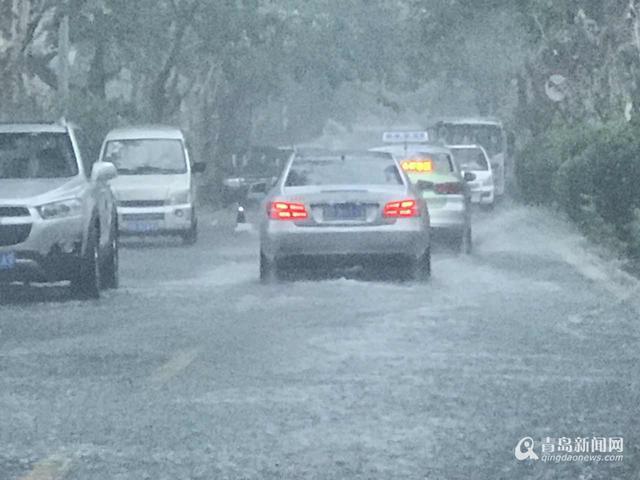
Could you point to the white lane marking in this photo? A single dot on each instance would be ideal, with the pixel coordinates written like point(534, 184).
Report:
point(175, 365)
point(571, 329)
point(54, 467)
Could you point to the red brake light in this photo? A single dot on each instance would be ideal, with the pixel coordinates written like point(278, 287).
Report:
point(449, 188)
point(287, 211)
point(401, 209)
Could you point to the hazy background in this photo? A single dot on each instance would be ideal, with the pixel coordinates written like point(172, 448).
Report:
point(233, 73)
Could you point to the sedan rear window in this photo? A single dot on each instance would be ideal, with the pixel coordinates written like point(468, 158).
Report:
point(36, 155)
point(343, 170)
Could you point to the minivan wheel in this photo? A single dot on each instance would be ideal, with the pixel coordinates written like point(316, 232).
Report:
point(86, 284)
point(191, 235)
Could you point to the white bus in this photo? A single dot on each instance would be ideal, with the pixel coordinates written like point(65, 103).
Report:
point(489, 133)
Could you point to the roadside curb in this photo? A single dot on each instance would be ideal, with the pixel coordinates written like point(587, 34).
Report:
point(604, 272)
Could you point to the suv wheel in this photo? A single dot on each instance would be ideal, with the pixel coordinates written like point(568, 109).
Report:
point(110, 275)
point(86, 284)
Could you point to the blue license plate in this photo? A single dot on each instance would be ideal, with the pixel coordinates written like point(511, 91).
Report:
point(142, 227)
point(7, 261)
point(345, 211)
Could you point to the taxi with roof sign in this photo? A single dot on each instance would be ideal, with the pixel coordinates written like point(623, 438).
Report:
point(436, 176)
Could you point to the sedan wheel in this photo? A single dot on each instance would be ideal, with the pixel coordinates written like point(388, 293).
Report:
point(420, 269)
point(268, 270)
point(467, 241)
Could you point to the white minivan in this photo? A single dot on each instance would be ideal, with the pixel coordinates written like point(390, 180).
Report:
point(155, 190)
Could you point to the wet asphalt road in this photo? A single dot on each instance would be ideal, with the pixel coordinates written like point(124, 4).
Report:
point(193, 370)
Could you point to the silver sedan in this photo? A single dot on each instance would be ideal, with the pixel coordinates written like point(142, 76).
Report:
point(344, 208)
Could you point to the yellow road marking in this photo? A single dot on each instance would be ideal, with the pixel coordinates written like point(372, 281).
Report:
point(54, 467)
point(173, 367)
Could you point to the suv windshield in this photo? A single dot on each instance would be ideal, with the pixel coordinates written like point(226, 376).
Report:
point(36, 155)
point(146, 157)
point(470, 158)
point(343, 170)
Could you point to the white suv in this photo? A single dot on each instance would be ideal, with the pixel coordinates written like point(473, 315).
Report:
point(58, 218)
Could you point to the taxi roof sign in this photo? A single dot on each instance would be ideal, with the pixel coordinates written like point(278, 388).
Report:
point(405, 137)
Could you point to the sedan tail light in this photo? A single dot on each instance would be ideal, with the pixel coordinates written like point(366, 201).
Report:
point(287, 211)
point(401, 209)
point(449, 188)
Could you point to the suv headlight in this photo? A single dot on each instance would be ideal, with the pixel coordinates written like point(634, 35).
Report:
point(180, 198)
point(71, 207)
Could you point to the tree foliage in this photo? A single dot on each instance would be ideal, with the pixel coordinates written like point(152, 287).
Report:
point(232, 72)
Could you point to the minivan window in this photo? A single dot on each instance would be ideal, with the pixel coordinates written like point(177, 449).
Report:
point(146, 156)
point(36, 155)
point(470, 158)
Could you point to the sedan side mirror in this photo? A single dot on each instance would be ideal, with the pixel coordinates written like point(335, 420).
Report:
point(469, 176)
point(103, 172)
point(199, 167)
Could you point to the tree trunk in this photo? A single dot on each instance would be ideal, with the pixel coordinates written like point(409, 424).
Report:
point(97, 78)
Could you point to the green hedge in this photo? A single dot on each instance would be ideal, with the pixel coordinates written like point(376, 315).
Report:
point(593, 174)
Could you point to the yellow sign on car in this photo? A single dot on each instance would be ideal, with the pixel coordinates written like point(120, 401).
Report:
point(417, 166)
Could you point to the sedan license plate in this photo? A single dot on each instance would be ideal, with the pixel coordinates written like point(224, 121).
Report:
point(345, 211)
point(142, 227)
point(7, 261)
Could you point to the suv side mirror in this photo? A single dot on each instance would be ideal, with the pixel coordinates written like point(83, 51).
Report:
point(469, 176)
point(198, 167)
point(103, 172)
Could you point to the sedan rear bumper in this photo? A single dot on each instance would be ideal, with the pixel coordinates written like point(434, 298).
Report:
point(284, 239)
